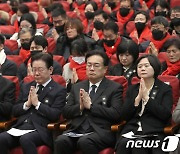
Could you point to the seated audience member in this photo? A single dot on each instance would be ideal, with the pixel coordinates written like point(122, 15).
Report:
point(15, 19)
point(125, 12)
point(25, 36)
point(7, 97)
point(75, 70)
point(111, 38)
point(127, 54)
point(8, 67)
point(176, 119)
point(111, 6)
point(141, 31)
point(37, 44)
point(14, 7)
point(148, 105)
point(100, 19)
point(40, 102)
point(175, 21)
point(159, 29)
point(78, 6)
point(73, 30)
point(59, 19)
point(4, 18)
point(89, 10)
point(172, 64)
point(27, 21)
point(162, 8)
point(93, 106)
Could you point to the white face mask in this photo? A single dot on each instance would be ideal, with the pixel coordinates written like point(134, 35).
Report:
point(79, 60)
point(18, 18)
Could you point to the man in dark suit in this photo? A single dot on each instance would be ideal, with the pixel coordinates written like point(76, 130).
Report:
point(93, 106)
point(8, 67)
point(40, 102)
point(38, 44)
point(7, 98)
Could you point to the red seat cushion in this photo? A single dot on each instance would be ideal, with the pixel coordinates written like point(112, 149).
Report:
point(41, 150)
point(7, 29)
point(15, 58)
point(11, 44)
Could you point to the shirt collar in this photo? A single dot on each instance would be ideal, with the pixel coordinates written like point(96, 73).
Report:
point(45, 84)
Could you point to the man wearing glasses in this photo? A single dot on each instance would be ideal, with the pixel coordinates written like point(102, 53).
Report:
point(40, 102)
point(93, 106)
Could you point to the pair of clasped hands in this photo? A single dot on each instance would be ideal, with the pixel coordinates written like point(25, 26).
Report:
point(143, 93)
point(85, 100)
point(32, 97)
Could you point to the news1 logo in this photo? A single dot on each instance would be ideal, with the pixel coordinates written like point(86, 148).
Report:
point(169, 143)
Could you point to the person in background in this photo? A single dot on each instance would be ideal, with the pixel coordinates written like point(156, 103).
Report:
point(8, 67)
point(59, 19)
point(147, 108)
point(127, 54)
point(7, 97)
point(111, 38)
point(40, 102)
point(141, 32)
point(93, 106)
point(89, 10)
point(75, 70)
point(100, 19)
point(172, 64)
point(111, 6)
point(162, 8)
point(73, 30)
point(159, 29)
point(38, 44)
point(175, 21)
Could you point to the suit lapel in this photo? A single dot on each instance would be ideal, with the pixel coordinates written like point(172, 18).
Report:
point(46, 90)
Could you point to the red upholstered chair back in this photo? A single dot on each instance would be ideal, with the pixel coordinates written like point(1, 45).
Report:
point(170, 80)
point(130, 27)
point(15, 58)
point(114, 60)
point(162, 56)
point(59, 59)
point(51, 44)
point(44, 27)
point(16, 81)
point(121, 80)
point(57, 78)
point(7, 29)
point(5, 7)
point(33, 6)
point(11, 44)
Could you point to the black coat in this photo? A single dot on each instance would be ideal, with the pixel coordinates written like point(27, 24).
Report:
point(9, 68)
point(52, 98)
point(7, 98)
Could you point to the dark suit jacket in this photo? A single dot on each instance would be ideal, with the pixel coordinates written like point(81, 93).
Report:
point(157, 111)
point(106, 108)
point(9, 68)
point(52, 101)
point(22, 71)
point(7, 98)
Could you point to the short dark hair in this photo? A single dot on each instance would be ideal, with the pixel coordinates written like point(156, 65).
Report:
point(154, 62)
point(172, 41)
point(79, 46)
point(160, 20)
point(176, 8)
point(99, 12)
point(40, 40)
point(111, 25)
point(131, 2)
point(128, 46)
point(23, 8)
point(98, 53)
point(46, 57)
point(58, 12)
point(2, 39)
point(144, 13)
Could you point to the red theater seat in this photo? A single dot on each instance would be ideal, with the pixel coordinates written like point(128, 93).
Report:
point(15, 58)
point(33, 6)
point(11, 44)
point(59, 59)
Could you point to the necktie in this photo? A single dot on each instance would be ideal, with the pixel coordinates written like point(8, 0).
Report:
point(92, 93)
point(40, 89)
